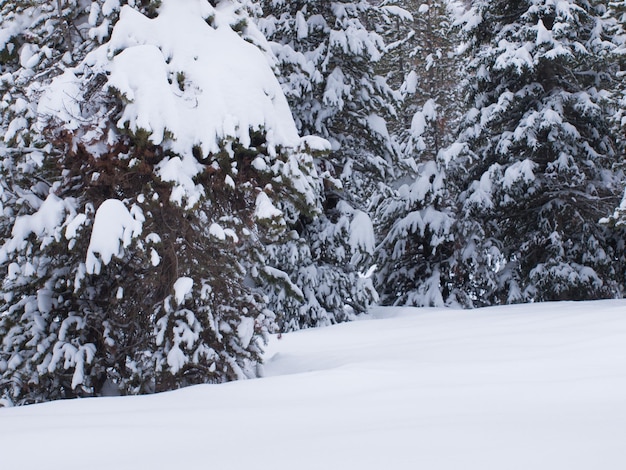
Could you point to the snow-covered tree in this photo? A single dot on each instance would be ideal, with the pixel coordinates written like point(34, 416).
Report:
point(422, 62)
point(413, 256)
point(617, 14)
point(414, 212)
point(36, 39)
point(157, 157)
point(540, 152)
point(327, 54)
point(617, 34)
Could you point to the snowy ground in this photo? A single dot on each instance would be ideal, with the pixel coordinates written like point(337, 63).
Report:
point(524, 387)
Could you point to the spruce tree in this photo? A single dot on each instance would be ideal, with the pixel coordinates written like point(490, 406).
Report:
point(617, 14)
point(137, 197)
point(327, 54)
point(414, 212)
point(37, 38)
point(538, 172)
point(422, 63)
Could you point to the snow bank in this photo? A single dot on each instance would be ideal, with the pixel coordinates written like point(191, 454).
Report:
point(540, 386)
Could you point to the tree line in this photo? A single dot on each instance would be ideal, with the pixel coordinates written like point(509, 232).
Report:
point(450, 154)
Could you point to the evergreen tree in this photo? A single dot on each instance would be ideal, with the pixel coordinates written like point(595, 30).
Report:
point(540, 154)
point(414, 213)
point(137, 197)
point(617, 14)
point(327, 54)
point(414, 253)
point(37, 38)
point(423, 63)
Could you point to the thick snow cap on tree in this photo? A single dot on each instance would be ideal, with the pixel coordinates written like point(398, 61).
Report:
point(189, 81)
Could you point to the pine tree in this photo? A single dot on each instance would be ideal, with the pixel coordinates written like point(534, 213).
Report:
point(137, 198)
point(540, 155)
point(423, 62)
point(414, 213)
point(414, 254)
point(617, 14)
point(327, 54)
point(37, 40)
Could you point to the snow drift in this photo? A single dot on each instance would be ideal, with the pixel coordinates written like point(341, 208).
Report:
point(539, 386)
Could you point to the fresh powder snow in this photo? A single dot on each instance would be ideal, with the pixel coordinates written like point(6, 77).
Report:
point(537, 386)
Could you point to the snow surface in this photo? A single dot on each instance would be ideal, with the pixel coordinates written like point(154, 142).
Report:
point(540, 386)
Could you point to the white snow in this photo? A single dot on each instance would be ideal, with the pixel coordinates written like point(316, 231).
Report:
point(114, 228)
point(315, 143)
point(229, 181)
point(245, 331)
point(259, 164)
point(61, 100)
point(543, 34)
point(418, 124)
point(399, 12)
point(71, 229)
point(430, 110)
point(512, 55)
point(44, 223)
point(155, 259)
point(217, 231)
point(481, 191)
point(182, 288)
point(265, 209)
point(410, 83)
point(362, 236)
point(539, 386)
point(448, 154)
point(519, 171)
point(302, 26)
point(211, 83)
point(378, 125)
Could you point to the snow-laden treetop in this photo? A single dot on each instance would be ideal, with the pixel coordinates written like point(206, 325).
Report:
point(189, 81)
point(187, 78)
